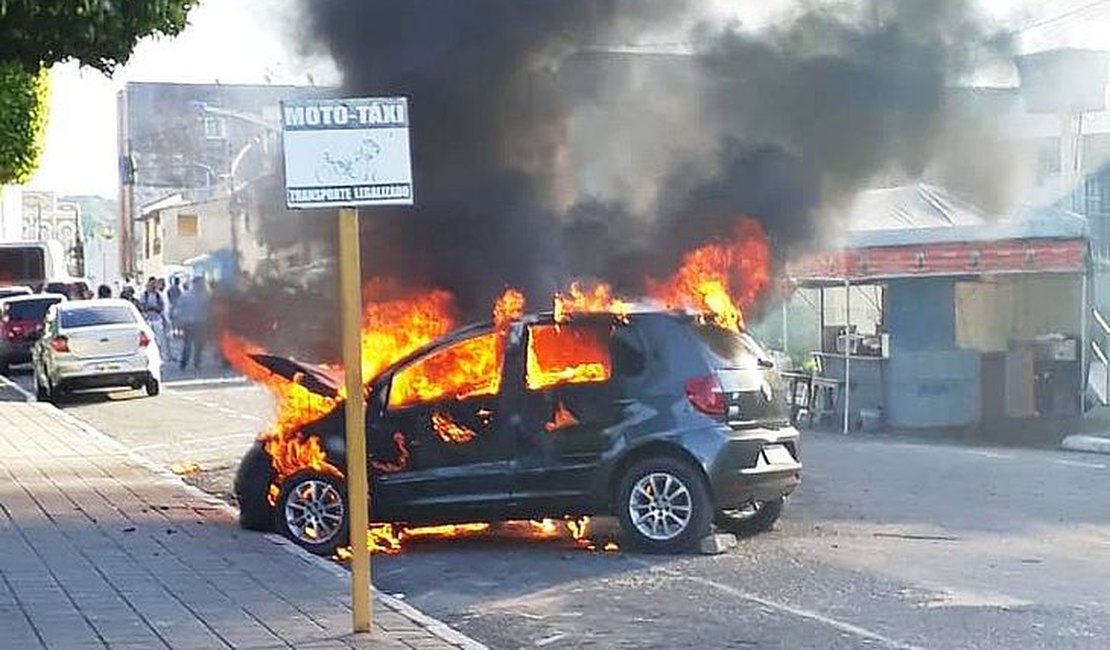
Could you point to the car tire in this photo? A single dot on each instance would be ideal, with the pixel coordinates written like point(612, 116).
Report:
point(759, 518)
point(153, 387)
point(687, 489)
point(252, 489)
point(308, 503)
point(5, 369)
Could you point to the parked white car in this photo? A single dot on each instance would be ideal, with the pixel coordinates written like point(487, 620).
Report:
point(95, 344)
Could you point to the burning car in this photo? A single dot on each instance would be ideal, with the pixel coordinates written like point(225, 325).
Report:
point(665, 420)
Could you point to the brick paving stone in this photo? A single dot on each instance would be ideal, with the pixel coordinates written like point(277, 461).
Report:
point(103, 550)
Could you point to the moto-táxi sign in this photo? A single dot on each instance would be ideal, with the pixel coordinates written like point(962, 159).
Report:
point(347, 152)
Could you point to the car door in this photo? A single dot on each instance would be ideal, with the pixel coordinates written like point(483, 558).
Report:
point(438, 445)
point(571, 404)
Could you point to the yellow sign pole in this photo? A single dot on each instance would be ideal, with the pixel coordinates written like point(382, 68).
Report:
point(350, 280)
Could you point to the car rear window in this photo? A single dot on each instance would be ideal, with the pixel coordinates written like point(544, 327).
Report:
point(99, 315)
point(730, 349)
point(30, 309)
point(567, 354)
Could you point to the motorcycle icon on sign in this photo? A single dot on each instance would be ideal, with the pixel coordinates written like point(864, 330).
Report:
point(355, 166)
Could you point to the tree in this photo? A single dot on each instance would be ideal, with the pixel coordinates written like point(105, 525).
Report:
point(36, 34)
point(23, 109)
point(98, 33)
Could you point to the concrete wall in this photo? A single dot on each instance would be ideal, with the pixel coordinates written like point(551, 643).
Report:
point(213, 233)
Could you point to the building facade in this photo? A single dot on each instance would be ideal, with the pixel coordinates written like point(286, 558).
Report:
point(199, 141)
point(47, 217)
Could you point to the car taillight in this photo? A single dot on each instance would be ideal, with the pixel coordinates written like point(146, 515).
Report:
point(144, 340)
point(60, 344)
point(705, 394)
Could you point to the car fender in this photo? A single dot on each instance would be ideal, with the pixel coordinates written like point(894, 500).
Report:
point(697, 445)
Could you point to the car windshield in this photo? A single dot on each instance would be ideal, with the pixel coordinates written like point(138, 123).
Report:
point(30, 309)
point(98, 315)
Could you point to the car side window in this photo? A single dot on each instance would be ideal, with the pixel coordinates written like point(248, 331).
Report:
point(461, 370)
point(629, 356)
point(568, 353)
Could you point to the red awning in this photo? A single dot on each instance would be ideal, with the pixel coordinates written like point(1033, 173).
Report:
point(944, 259)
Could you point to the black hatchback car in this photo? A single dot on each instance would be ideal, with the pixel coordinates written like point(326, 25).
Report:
point(667, 423)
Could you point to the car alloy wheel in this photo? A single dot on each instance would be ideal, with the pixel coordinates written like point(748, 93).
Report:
point(314, 511)
point(664, 505)
point(660, 506)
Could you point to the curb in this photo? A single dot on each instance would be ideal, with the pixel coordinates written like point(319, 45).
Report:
point(434, 626)
point(1088, 443)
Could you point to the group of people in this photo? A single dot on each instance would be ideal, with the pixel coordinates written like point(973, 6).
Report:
point(177, 310)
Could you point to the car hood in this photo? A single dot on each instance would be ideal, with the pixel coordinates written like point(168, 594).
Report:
point(318, 379)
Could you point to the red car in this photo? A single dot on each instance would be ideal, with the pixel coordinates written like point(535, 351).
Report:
point(21, 320)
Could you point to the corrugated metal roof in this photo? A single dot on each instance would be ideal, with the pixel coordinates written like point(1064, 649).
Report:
point(924, 214)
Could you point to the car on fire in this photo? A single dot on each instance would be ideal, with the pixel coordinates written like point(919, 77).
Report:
point(661, 419)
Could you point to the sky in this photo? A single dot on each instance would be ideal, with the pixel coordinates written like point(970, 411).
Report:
point(255, 41)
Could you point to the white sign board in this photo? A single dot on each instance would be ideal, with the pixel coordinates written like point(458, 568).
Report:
point(347, 152)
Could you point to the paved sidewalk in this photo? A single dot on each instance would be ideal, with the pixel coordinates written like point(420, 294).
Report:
point(98, 549)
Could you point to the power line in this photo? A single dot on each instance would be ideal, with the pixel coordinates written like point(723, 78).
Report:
point(1062, 16)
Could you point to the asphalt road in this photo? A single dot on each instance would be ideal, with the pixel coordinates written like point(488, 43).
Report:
point(888, 544)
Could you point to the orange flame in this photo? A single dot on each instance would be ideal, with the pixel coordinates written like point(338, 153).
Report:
point(450, 431)
point(289, 451)
point(395, 324)
point(397, 464)
point(390, 539)
point(579, 528)
point(567, 355)
point(562, 419)
point(509, 307)
point(720, 280)
point(596, 299)
point(468, 368)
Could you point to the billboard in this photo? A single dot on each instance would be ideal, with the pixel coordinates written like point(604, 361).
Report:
point(347, 152)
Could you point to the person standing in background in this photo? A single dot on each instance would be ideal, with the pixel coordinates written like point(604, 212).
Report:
point(193, 312)
point(153, 307)
point(173, 295)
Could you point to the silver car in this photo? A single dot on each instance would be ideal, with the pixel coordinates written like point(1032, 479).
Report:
point(95, 344)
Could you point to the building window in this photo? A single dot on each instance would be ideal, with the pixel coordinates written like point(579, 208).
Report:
point(187, 225)
point(213, 128)
point(1048, 157)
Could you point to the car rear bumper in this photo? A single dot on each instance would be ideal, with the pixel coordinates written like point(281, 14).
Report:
point(104, 372)
point(756, 464)
point(105, 380)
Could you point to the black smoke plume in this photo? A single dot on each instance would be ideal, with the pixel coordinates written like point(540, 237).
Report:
point(551, 140)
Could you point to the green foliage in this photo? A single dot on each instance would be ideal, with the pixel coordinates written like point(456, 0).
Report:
point(24, 100)
point(98, 33)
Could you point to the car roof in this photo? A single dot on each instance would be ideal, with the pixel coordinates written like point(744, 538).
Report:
point(96, 302)
point(30, 297)
point(534, 318)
